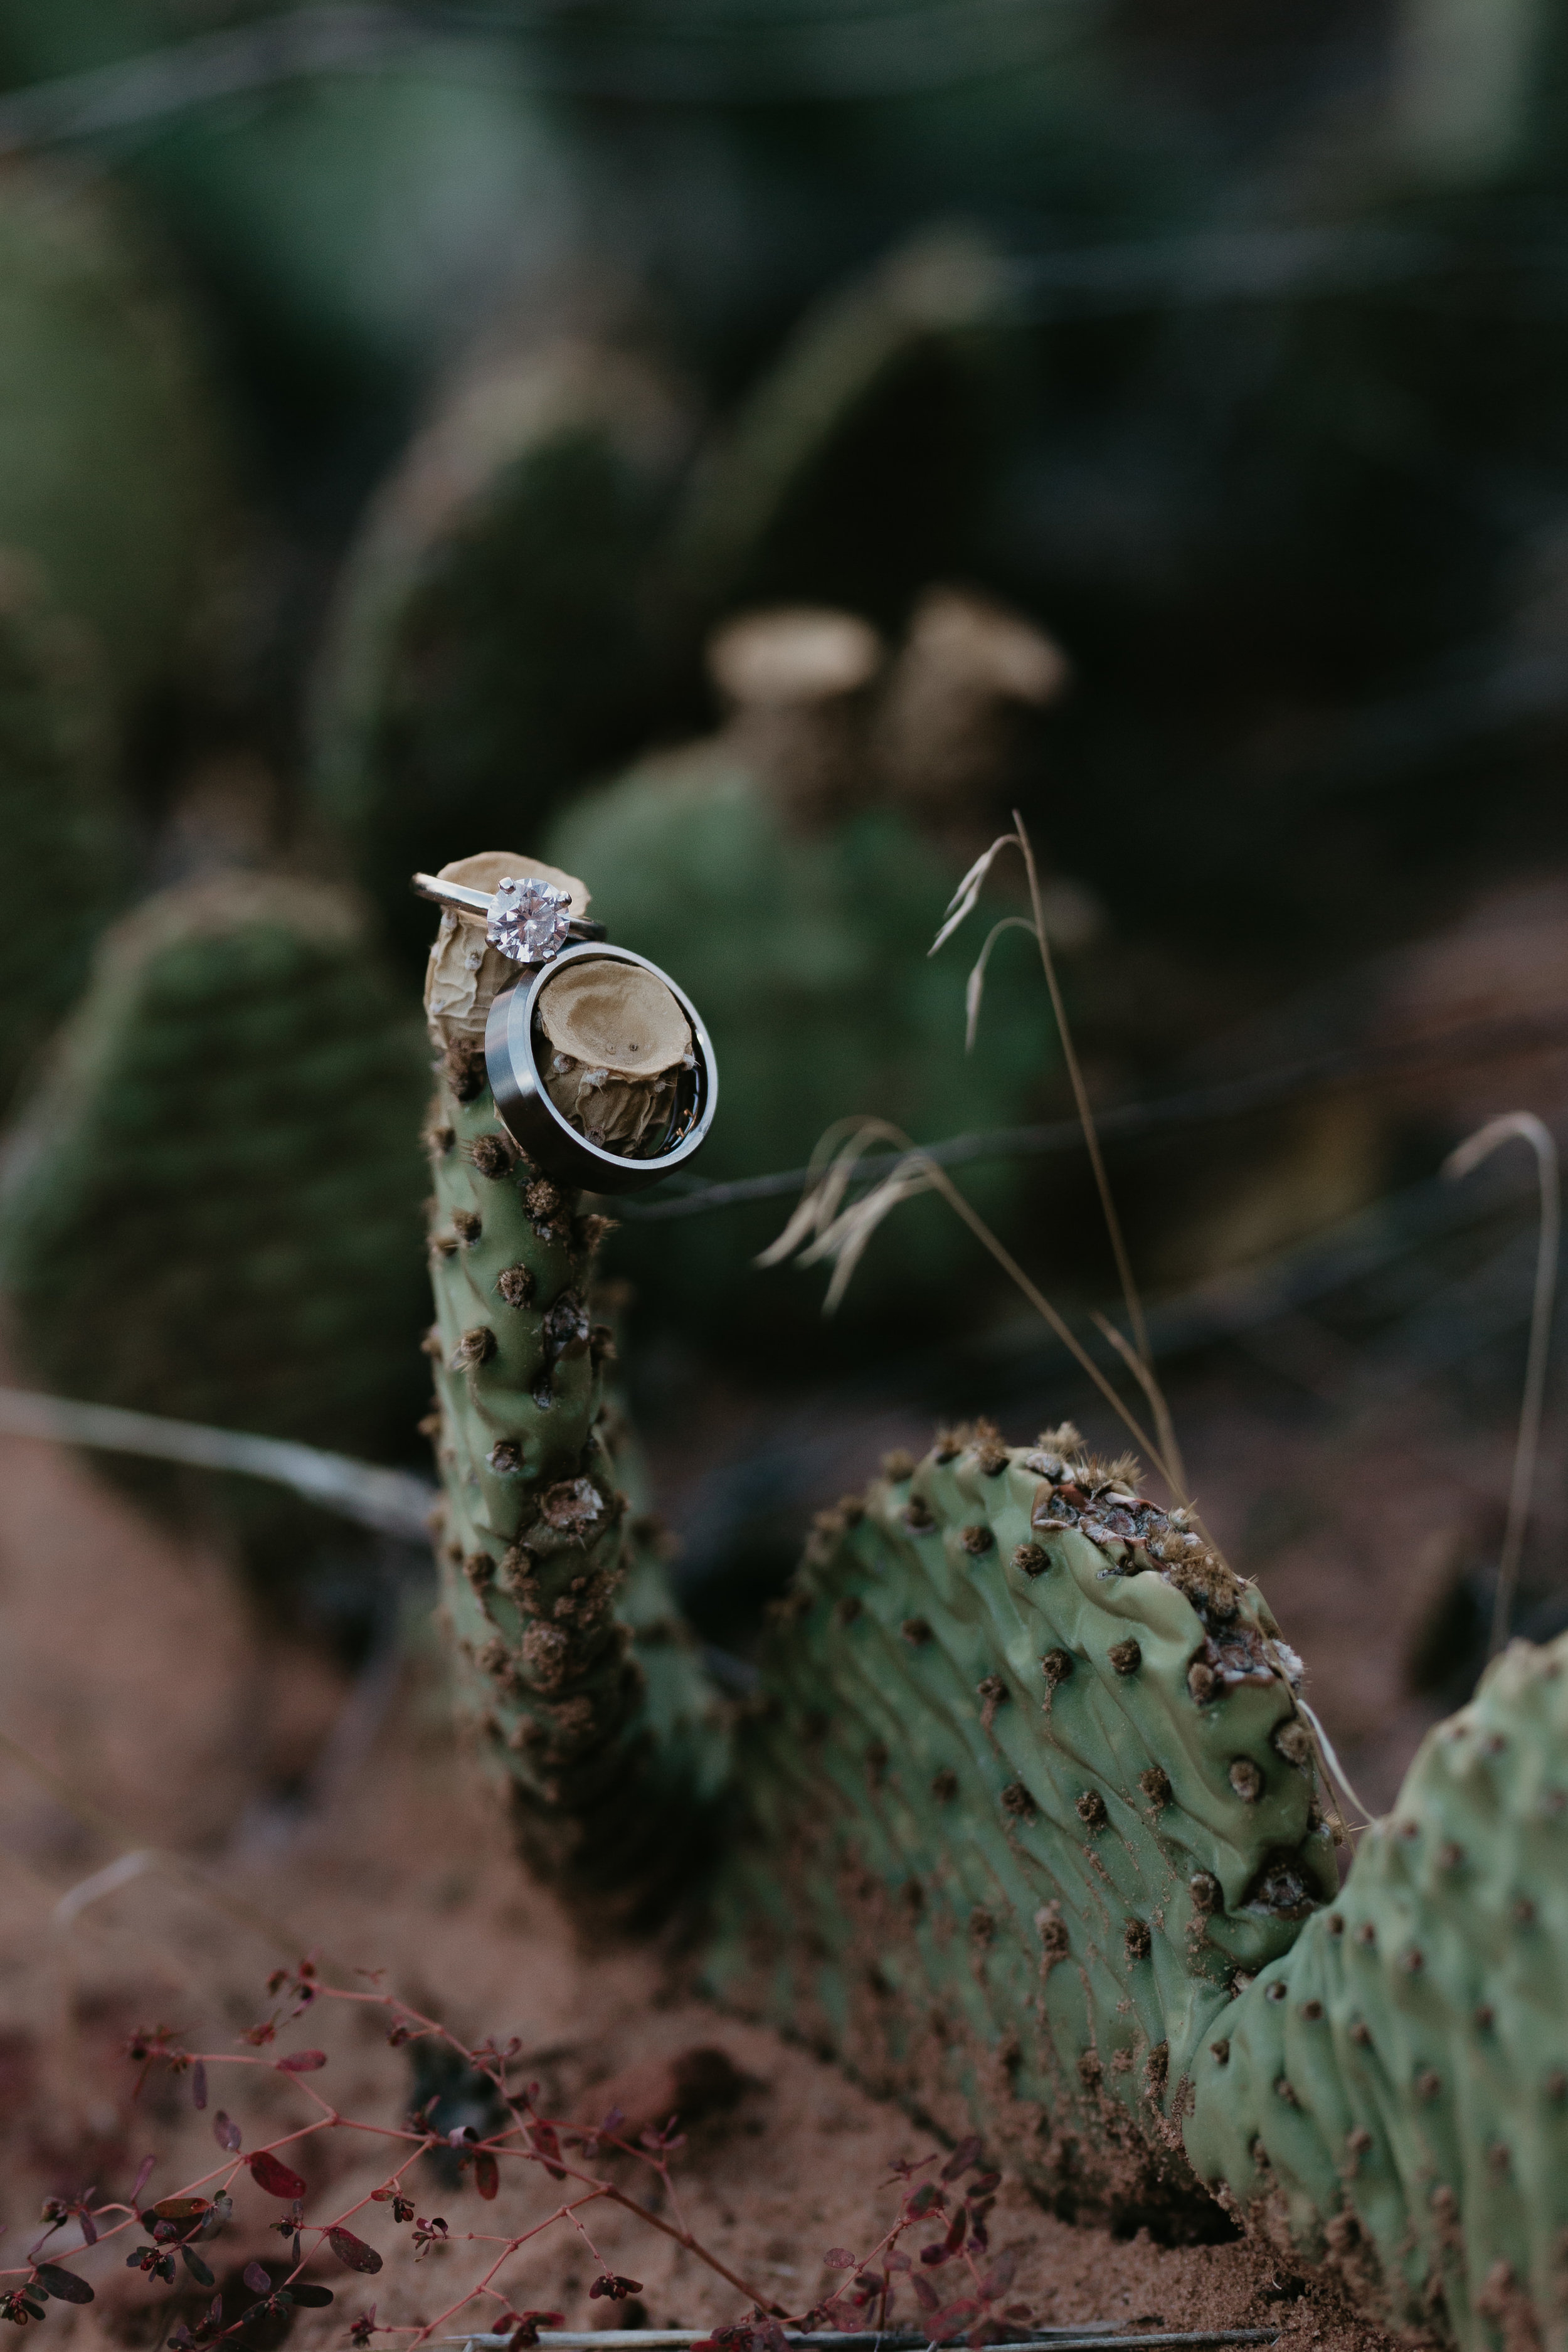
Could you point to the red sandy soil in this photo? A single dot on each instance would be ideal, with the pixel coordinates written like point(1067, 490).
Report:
point(129, 1667)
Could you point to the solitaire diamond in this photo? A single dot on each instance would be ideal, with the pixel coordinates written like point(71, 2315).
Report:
point(528, 919)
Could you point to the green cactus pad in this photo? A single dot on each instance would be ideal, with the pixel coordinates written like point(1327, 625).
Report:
point(1392, 2094)
point(855, 469)
point(212, 1209)
point(490, 646)
point(585, 1687)
point(111, 478)
point(1026, 1788)
point(808, 958)
point(66, 853)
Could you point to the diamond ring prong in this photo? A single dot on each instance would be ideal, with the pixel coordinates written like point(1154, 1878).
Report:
point(530, 920)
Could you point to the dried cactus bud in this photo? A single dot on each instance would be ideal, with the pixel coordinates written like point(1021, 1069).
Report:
point(465, 975)
point(797, 656)
point(618, 1042)
point(961, 693)
point(799, 683)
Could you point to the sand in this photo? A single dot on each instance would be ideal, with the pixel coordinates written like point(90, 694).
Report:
point(131, 1668)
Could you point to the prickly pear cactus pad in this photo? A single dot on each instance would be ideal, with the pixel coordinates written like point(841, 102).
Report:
point(491, 644)
point(807, 958)
point(1393, 2093)
point(67, 857)
point(211, 1206)
point(112, 478)
point(1026, 1796)
point(581, 1683)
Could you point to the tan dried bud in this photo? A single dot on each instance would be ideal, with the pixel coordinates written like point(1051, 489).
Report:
point(798, 682)
point(950, 731)
point(618, 1042)
point(465, 973)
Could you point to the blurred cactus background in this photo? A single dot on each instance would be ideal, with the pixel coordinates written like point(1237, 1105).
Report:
point(740, 453)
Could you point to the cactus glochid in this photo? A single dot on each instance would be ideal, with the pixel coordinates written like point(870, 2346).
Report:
point(1023, 1818)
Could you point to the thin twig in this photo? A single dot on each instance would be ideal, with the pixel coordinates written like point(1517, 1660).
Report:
point(92, 1816)
point(1528, 1128)
point(1466, 1046)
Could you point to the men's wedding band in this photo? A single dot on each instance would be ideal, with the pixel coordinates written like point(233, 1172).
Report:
point(522, 1100)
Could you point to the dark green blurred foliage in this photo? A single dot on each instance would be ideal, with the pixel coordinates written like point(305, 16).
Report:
point(806, 956)
point(1244, 380)
point(494, 638)
point(353, 225)
point(857, 468)
point(528, 597)
point(65, 856)
point(114, 520)
point(110, 476)
point(211, 1206)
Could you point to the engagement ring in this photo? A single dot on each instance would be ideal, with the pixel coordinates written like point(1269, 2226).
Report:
point(530, 920)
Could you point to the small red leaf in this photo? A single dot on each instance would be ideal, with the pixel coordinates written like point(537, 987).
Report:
point(963, 2157)
point(487, 2174)
point(199, 2085)
point(63, 2282)
point(999, 2277)
point(301, 2062)
point(275, 2177)
point(839, 2258)
point(258, 2281)
point(182, 2208)
point(143, 2174)
point(926, 2294)
point(352, 2252)
point(225, 2131)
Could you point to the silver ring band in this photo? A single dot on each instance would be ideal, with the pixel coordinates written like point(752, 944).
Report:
point(551, 1141)
point(528, 920)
